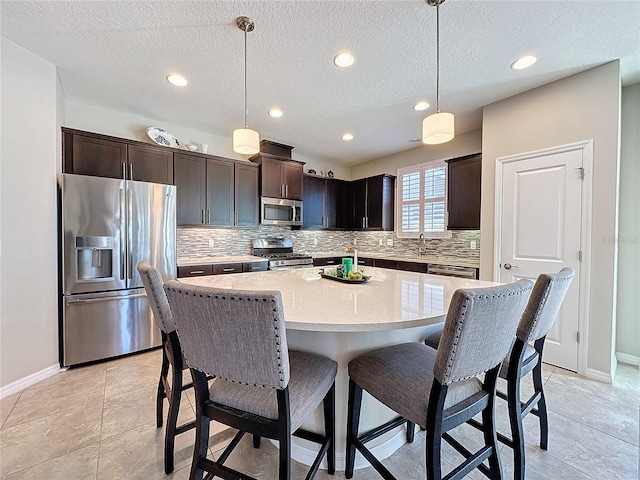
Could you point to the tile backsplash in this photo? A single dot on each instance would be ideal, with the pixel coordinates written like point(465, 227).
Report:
point(206, 242)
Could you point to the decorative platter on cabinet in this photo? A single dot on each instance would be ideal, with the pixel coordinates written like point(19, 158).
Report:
point(162, 137)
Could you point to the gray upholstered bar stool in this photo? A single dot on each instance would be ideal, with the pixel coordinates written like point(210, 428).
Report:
point(261, 387)
point(171, 357)
point(440, 390)
point(526, 356)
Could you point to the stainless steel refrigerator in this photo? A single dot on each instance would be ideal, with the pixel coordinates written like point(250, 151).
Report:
point(107, 227)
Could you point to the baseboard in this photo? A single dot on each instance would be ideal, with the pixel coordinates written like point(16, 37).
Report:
point(599, 375)
point(628, 359)
point(29, 380)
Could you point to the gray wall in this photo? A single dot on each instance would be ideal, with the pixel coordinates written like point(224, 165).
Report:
point(581, 107)
point(464, 144)
point(628, 331)
point(28, 264)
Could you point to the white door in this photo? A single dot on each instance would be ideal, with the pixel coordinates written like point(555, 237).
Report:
point(540, 233)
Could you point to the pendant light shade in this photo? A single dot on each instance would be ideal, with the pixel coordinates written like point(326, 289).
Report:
point(245, 140)
point(439, 127)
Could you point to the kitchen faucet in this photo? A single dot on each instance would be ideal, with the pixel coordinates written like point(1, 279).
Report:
point(423, 245)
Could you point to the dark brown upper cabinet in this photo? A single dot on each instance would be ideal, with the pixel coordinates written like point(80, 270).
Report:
point(279, 177)
point(373, 203)
point(326, 203)
point(464, 176)
point(87, 153)
point(150, 164)
point(215, 191)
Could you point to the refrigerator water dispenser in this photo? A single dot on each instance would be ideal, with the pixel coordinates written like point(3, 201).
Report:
point(94, 257)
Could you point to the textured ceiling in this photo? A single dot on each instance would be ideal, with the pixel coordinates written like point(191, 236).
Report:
point(117, 54)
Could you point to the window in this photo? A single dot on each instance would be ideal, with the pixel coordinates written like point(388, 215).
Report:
point(422, 200)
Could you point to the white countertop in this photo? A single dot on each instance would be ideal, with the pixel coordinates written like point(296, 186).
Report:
point(427, 259)
point(392, 299)
point(184, 261)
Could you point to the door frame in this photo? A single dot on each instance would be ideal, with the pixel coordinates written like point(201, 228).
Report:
point(584, 292)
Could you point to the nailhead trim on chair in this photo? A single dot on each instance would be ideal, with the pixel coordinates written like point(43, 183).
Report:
point(278, 349)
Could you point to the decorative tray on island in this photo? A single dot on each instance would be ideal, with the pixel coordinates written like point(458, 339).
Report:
point(364, 279)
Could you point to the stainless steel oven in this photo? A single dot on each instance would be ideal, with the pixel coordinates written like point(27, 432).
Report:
point(280, 211)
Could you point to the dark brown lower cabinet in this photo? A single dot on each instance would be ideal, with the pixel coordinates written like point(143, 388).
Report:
point(401, 265)
point(221, 268)
point(324, 261)
point(194, 270)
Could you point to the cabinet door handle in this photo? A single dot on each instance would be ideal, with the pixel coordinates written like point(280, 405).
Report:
point(208, 217)
point(124, 171)
point(196, 272)
point(366, 222)
point(235, 217)
point(228, 269)
point(131, 171)
point(202, 216)
point(330, 262)
point(286, 190)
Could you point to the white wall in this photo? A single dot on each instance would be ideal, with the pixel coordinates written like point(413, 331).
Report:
point(91, 118)
point(628, 321)
point(28, 226)
point(581, 107)
point(461, 145)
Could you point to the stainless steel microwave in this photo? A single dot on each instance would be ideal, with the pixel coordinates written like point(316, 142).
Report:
point(280, 211)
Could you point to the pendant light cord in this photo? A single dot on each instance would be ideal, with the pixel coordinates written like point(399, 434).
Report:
point(437, 57)
point(245, 77)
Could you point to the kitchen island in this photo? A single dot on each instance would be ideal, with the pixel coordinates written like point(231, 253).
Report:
point(342, 321)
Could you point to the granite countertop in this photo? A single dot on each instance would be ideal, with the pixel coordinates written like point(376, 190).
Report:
point(438, 260)
point(313, 303)
point(185, 261)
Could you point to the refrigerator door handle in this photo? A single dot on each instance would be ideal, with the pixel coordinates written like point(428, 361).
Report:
point(129, 233)
point(71, 301)
point(122, 234)
point(124, 171)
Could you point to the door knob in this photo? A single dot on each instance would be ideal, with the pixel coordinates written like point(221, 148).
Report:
point(508, 266)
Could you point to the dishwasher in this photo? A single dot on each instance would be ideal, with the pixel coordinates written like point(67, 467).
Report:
point(453, 271)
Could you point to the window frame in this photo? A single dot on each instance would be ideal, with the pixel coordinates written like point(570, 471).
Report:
point(421, 167)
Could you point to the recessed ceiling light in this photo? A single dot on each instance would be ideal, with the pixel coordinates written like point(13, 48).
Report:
point(275, 112)
point(344, 59)
point(177, 80)
point(347, 136)
point(524, 62)
point(421, 106)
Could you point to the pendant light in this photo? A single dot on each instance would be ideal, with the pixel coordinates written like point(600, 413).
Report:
point(245, 140)
point(439, 127)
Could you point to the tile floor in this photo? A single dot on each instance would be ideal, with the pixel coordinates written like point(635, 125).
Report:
point(98, 422)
